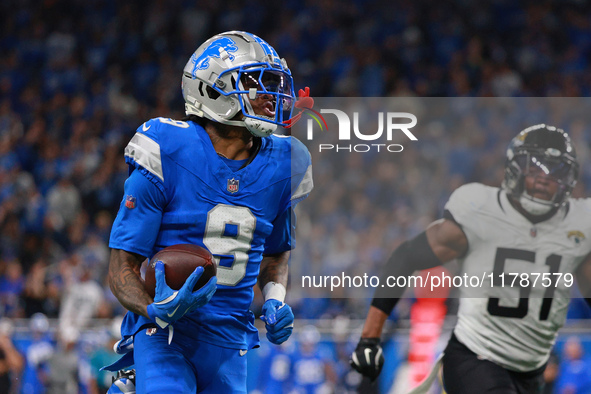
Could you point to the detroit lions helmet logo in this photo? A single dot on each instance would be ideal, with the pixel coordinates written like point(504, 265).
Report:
point(213, 50)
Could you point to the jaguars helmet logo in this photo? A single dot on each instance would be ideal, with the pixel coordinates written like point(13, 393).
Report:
point(576, 236)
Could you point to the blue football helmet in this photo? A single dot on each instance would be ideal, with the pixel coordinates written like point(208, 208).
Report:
point(228, 72)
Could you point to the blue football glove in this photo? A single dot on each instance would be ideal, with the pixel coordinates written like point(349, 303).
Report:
point(170, 305)
point(278, 319)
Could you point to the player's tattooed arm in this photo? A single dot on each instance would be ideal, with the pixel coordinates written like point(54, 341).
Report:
point(274, 268)
point(126, 282)
point(276, 314)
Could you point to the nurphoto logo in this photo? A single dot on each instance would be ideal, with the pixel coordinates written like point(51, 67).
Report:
point(395, 122)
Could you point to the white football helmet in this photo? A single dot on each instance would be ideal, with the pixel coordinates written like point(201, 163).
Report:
point(228, 71)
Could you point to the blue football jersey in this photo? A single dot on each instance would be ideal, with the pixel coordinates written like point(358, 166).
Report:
point(181, 191)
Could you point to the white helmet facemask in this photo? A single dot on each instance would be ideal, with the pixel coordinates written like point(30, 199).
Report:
point(534, 206)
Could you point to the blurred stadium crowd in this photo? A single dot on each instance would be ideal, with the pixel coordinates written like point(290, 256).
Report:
point(78, 77)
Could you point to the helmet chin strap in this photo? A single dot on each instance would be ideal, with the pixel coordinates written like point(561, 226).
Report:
point(534, 206)
point(257, 127)
point(203, 111)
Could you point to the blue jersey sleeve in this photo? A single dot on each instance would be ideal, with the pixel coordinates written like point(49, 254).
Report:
point(138, 221)
point(143, 152)
point(301, 173)
point(282, 238)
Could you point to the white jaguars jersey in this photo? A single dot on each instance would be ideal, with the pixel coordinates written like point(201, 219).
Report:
point(516, 327)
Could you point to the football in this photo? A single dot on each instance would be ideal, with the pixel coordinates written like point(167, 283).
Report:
point(179, 262)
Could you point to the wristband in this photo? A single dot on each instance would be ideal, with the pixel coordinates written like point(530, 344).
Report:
point(275, 291)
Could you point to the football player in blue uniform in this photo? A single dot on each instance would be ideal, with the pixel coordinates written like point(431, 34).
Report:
point(220, 179)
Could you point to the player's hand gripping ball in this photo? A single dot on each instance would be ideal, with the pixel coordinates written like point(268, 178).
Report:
point(181, 278)
point(179, 263)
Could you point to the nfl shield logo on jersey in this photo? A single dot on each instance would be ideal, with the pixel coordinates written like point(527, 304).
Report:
point(130, 202)
point(233, 185)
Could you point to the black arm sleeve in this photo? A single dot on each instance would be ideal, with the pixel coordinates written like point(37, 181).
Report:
point(415, 254)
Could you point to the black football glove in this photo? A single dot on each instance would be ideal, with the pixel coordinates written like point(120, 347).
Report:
point(367, 359)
